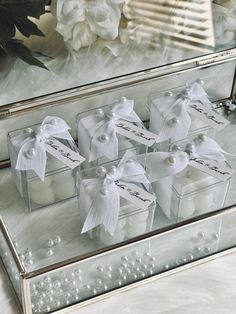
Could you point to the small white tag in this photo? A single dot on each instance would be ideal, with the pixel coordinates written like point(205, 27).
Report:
point(63, 153)
point(136, 195)
point(135, 133)
point(207, 115)
point(216, 169)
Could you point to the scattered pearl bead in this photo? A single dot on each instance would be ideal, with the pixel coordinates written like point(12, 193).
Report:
point(50, 252)
point(207, 249)
point(201, 235)
point(215, 236)
point(50, 243)
point(100, 269)
point(57, 239)
point(124, 258)
point(134, 253)
point(198, 249)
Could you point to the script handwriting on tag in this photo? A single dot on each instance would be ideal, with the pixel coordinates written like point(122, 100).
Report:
point(216, 169)
point(135, 133)
point(136, 195)
point(207, 115)
point(63, 153)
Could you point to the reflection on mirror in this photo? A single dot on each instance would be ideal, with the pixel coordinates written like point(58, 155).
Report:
point(61, 44)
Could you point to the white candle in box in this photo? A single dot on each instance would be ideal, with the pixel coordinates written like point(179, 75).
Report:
point(62, 176)
point(135, 229)
point(42, 197)
point(108, 239)
point(64, 189)
point(86, 133)
point(138, 217)
point(38, 185)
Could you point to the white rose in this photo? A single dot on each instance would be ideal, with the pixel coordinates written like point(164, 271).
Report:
point(81, 21)
point(82, 36)
point(104, 18)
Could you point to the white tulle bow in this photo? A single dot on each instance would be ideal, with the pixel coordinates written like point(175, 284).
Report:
point(105, 126)
point(32, 153)
point(105, 204)
point(160, 165)
point(177, 121)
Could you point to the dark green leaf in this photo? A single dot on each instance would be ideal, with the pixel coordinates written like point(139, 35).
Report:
point(7, 28)
point(27, 28)
point(16, 48)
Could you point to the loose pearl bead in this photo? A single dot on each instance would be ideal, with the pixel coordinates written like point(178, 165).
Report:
point(138, 260)
point(50, 243)
point(201, 235)
point(57, 239)
point(109, 268)
point(57, 284)
point(146, 254)
point(100, 269)
point(215, 236)
point(118, 283)
point(207, 249)
point(124, 277)
point(28, 253)
point(198, 249)
point(105, 287)
point(152, 259)
point(166, 266)
point(190, 256)
point(124, 258)
point(50, 252)
point(98, 282)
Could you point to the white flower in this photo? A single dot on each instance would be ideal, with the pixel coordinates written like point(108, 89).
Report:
point(80, 22)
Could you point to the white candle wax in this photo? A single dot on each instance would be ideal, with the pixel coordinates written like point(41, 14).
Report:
point(107, 239)
point(204, 202)
point(186, 208)
point(42, 197)
point(138, 217)
point(61, 176)
point(65, 189)
point(135, 229)
point(38, 185)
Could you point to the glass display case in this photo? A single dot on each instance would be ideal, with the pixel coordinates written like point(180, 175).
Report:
point(93, 54)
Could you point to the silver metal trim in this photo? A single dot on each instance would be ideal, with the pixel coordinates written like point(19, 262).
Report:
point(11, 246)
point(26, 296)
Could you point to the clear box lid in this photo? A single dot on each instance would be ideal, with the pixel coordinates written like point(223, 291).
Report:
point(119, 38)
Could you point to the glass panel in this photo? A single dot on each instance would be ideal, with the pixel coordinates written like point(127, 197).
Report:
point(126, 265)
point(10, 264)
point(90, 41)
point(213, 77)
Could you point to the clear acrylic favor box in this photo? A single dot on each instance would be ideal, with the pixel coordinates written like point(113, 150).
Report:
point(190, 192)
point(132, 221)
point(85, 134)
point(162, 102)
point(59, 183)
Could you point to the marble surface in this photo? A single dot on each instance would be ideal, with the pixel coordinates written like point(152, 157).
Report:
point(207, 288)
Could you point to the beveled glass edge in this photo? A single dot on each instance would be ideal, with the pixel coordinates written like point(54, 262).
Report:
point(11, 246)
point(86, 90)
point(138, 239)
